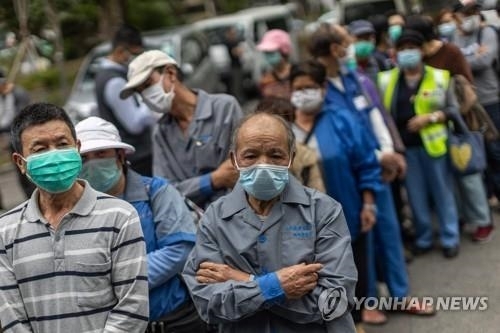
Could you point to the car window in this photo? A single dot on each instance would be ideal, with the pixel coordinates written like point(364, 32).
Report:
point(261, 26)
point(167, 46)
point(363, 10)
point(216, 35)
point(191, 51)
point(88, 80)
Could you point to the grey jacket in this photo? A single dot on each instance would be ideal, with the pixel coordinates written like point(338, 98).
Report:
point(481, 64)
point(188, 160)
point(303, 226)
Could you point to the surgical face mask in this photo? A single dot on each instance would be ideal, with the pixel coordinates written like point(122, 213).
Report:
point(101, 173)
point(308, 100)
point(471, 24)
point(410, 58)
point(272, 58)
point(395, 32)
point(264, 181)
point(157, 99)
point(54, 171)
point(447, 29)
point(364, 48)
point(349, 60)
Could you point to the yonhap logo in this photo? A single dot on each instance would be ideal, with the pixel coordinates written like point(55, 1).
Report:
point(332, 303)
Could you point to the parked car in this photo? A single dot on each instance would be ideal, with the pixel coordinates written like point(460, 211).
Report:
point(185, 44)
point(251, 24)
point(346, 11)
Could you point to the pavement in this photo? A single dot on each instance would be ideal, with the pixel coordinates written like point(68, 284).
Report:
point(475, 272)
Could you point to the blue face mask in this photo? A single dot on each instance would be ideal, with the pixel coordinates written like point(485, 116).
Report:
point(101, 173)
point(447, 29)
point(272, 58)
point(264, 181)
point(410, 58)
point(54, 171)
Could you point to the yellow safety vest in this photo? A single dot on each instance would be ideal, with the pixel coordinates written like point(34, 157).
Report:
point(431, 96)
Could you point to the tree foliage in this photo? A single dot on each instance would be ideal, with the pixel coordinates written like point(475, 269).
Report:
point(84, 23)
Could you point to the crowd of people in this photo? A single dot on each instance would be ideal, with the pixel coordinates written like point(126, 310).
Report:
point(172, 211)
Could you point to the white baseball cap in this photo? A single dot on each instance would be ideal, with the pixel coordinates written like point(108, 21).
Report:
point(96, 133)
point(141, 68)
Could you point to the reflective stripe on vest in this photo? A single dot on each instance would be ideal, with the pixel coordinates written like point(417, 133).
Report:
point(431, 97)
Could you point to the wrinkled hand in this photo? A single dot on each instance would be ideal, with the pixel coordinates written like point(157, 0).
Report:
point(368, 219)
point(225, 176)
point(393, 165)
point(210, 272)
point(416, 123)
point(298, 280)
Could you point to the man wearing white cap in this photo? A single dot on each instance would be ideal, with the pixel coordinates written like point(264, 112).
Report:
point(168, 227)
point(191, 140)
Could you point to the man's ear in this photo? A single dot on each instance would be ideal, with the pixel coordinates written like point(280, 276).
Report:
point(334, 49)
point(121, 156)
point(292, 158)
point(20, 163)
point(232, 157)
point(172, 72)
point(78, 145)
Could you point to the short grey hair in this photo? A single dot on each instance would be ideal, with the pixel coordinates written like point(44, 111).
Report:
point(281, 120)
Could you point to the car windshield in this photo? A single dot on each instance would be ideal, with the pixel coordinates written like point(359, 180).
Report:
point(363, 10)
point(216, 35)
point(87, 83)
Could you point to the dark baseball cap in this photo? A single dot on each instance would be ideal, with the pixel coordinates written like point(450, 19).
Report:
point(410, 36)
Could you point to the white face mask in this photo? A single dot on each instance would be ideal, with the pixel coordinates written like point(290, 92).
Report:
point(471, 24)
point(307, 100)
point(157, 99)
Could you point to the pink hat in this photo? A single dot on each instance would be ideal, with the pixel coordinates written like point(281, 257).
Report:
point(275, 40)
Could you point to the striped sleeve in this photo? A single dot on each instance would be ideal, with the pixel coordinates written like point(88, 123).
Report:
point(129, 278)
point(12, 312)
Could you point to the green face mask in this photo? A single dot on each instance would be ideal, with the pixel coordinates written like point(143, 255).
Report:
point(54, 171)
point(272, 58)
point(364, 48)
point(395, 32)
point(101, 173)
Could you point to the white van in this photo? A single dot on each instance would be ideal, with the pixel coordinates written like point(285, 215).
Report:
point(351, 10)
point(251, 25)
point(346, 11)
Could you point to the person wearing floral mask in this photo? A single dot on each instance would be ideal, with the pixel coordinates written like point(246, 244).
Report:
point(76, 250)
point(167, 224)
point(276, 48)
point(268, 253)
point(421, 100)
point(191, 140)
